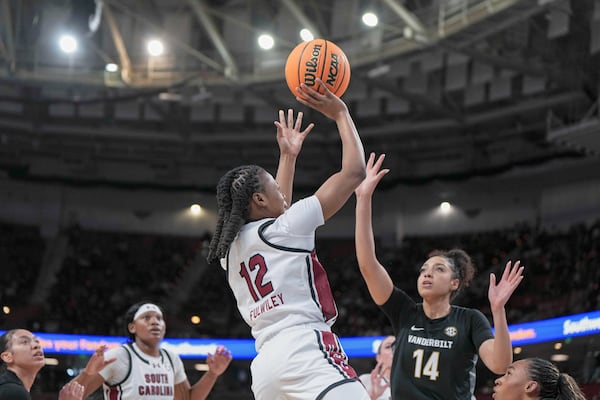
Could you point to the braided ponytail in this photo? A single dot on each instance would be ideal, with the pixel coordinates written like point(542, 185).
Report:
point(553, 384)
point(234, 192)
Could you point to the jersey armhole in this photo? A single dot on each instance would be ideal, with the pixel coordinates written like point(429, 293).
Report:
point(170, 359)
point(128, 366)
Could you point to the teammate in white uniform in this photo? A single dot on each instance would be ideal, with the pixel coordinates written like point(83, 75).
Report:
point(378, 381)
point(141, 369)
point(267, 249)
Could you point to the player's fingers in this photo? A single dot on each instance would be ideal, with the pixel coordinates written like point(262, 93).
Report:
point(308, 129)
point(298, 121)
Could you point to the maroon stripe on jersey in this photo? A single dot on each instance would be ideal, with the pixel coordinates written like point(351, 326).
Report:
point(332, 349)
point(321, 285)
point(113, 393)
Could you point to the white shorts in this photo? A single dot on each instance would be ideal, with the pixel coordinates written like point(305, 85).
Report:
point(304, 364)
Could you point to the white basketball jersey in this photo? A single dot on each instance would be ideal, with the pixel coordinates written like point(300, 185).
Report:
point(275, 275)
point(151, 378)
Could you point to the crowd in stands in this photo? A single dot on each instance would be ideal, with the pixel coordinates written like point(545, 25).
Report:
point(102, 273)
point(21, 253)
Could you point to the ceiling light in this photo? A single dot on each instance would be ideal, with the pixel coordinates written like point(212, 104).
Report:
point(306, 35)
point(111, 67)
point(370, 19)
point(445, 207)
point(266, 42)
point(195, 209)
point(68, 44)
point(155, 47)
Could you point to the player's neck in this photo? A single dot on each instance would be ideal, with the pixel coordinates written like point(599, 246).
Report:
point(151, 349)
point(434, 309)
point(27, 376)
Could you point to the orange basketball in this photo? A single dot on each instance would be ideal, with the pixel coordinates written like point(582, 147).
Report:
point(318, 58)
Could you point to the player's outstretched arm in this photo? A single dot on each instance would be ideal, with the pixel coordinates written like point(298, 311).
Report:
point(90, 377)
point(289, 138)
point(497, 353)
point(336, 190)
point(217, 364)
point(378, 281)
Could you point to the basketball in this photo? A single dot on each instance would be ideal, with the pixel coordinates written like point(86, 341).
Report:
point(318, 58)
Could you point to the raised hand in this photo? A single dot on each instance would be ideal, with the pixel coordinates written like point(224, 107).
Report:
point(374, 175)
point(289, 135)
point(378, 381)
point(71, 391)
point(328, 103)
point(97, 362)
point(218, 362)
point(511, 278)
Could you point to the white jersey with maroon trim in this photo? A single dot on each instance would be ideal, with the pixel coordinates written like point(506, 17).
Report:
point(275, 275)
point(136, 375)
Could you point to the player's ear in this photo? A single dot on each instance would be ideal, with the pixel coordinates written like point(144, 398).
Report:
point(455, 283)
point(6, 356)
point(531, 387)
point(259, 199)
point(131, 328)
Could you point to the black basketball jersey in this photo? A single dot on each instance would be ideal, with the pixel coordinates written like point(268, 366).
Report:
point(434, 359)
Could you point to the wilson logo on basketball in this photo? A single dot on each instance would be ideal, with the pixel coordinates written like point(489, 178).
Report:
point(317, 59)
point(311, 66)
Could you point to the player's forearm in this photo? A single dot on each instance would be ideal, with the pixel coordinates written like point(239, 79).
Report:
point(90, 382)
point(503, 354)
point(376, 277)
point(202, 388)
point(365, 242)
point(285, 175)
point(353, 154)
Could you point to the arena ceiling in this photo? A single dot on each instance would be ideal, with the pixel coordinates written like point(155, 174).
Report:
point(448, 89)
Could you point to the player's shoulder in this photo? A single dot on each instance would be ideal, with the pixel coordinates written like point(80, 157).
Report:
point(12, 390)
point(169, 352)
point(466, 313)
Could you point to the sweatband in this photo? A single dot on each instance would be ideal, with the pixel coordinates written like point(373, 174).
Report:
point(145, 308)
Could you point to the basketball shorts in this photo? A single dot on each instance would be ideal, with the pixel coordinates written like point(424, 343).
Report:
point(304, 364)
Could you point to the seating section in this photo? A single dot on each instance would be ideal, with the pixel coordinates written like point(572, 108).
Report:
point(21, 253)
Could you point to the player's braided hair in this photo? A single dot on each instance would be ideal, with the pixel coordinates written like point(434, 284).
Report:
point(462, 266)
point(234, 192)
point(553, 383)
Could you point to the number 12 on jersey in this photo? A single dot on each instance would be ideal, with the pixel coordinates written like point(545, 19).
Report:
point(258, 288)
